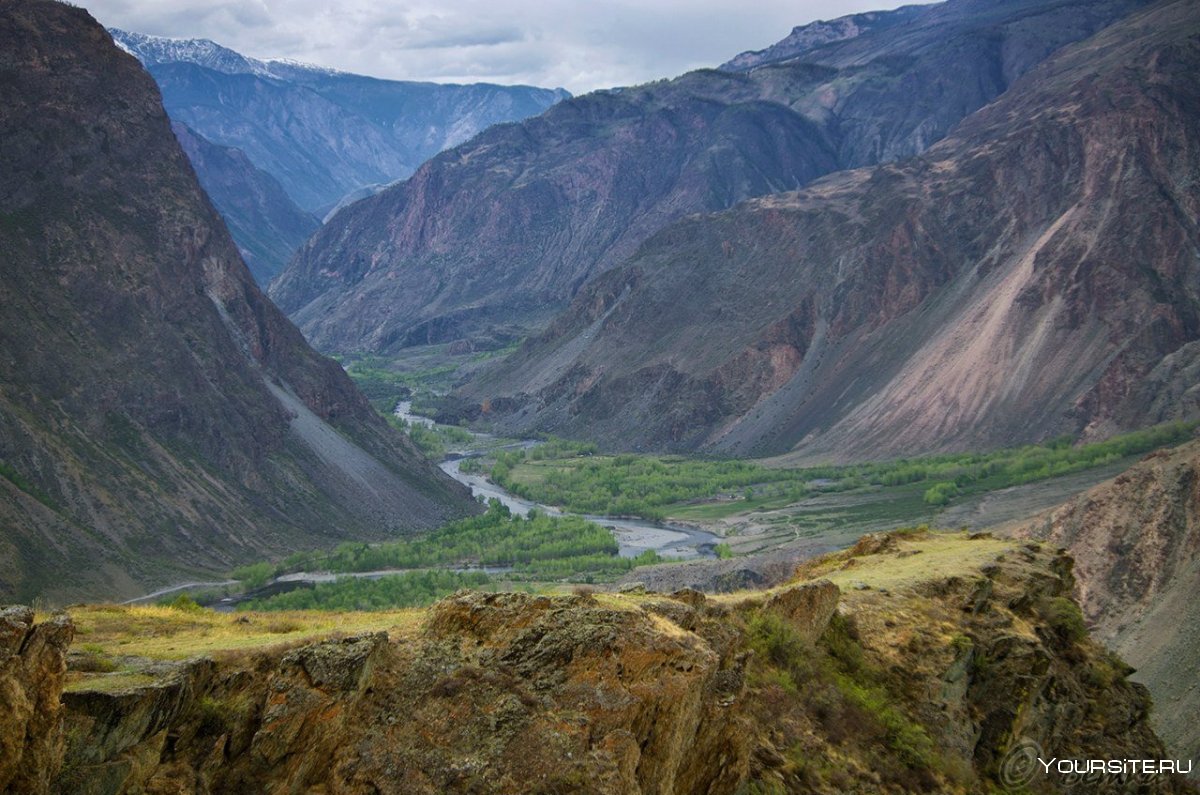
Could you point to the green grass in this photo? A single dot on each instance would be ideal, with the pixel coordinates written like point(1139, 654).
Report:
point(163, 633)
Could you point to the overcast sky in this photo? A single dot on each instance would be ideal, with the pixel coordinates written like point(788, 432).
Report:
point(575, 44)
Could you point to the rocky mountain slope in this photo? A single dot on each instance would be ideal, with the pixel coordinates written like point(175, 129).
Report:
point(1034, 274)
point(805, 38)
point(895, 674)
point(486, 239)
point(1136, 542)
point(265, 223)
point(158, 416)
point(321, 133)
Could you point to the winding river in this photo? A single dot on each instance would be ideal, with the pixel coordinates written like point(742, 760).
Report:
point(634, 536)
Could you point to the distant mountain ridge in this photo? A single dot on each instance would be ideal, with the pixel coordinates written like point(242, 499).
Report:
point(488, 240)
point(804, 38)
point(323, 135)
point(156, 50)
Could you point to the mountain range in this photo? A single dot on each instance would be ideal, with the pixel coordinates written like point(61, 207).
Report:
point(487, 241)
point(320, 133)
point(1033, 275)
point(159, 417)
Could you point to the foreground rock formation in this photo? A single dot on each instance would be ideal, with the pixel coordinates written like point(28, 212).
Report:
point(912, 663)
point(159, 418)
point(33, 669)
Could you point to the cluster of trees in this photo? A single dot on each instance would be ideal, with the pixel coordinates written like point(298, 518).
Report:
point(941, 493)
point(433, 442)
point(497, 538)
point(587, 568)
point(633, 485)
point(400, 590)
point(555, 447)
point(537, 547)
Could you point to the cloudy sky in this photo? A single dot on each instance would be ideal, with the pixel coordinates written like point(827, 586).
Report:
point(576, 44)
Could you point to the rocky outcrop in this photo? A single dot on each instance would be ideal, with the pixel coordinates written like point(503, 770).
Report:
point(929, 679)
point(808, 607)
point(1016, 282)
point(1136, 540)
point(32, 671)
point(805, 38)
point(159, 417)
point(485, 241)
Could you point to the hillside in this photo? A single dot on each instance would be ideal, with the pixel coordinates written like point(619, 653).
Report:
point(1032, 275)
point(159, 418)
point(487, 240)
point(913, 663)
point(1136, 542)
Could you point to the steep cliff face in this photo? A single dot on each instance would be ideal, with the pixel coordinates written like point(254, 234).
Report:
point(1136, 540)
point(1019, 280)
point(484, 240)
point(158, 416)
point(939, 664)
point(265, 223)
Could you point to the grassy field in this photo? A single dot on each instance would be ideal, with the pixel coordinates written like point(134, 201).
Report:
point(918, 556)
point(167, 633)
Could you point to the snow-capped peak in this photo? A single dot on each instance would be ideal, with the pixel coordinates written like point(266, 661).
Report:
point(153, 50)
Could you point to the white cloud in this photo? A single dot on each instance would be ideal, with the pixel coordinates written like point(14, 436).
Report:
point(569, 43)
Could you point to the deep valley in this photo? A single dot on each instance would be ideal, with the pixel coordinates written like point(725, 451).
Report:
point(821, 420)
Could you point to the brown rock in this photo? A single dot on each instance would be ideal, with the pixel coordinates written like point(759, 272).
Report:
point(32, 672)
point(808, 607)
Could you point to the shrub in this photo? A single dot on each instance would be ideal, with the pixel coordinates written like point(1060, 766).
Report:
point(941, 493)
point(1064, 617)
point(213, 717)
point(184, 603)
point(255, 575)
point(775, 640)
